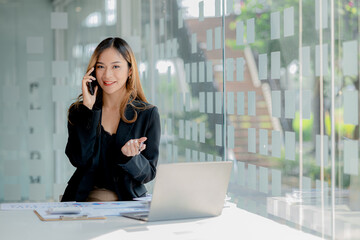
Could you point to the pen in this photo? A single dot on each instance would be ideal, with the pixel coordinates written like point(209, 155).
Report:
point(82, 217)
point(141, 144)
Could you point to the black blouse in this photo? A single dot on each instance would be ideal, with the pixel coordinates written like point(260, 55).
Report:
point(103, 178)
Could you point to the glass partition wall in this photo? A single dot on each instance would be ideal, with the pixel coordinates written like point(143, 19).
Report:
point(271, 85)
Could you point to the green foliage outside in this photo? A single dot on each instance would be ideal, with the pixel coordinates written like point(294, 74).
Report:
point(347, 23)
point(341, 129)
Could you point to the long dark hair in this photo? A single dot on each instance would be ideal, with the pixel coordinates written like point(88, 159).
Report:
point(134, 91)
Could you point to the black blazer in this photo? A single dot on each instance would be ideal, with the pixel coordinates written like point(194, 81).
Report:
point(128, 173)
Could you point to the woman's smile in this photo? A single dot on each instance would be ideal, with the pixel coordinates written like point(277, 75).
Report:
point(108, 83)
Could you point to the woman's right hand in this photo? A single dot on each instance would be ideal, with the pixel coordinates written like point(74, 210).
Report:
point(88, 99)
point(134, 147)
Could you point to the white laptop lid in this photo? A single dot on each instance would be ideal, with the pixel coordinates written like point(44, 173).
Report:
point(189, 190)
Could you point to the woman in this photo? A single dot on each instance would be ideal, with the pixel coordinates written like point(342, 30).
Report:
point(114, 133)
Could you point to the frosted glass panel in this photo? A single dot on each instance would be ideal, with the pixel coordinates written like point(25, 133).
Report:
point(325, 145)
point(193, 43)
point(252, 140)
point(275, 65)
point(218, 102)
point(230, 69)
point(276, 103)
point(230, 103)
point(324, 60)
point(306, 104)
point(264, 178)
point(59, 20)
point(217, 37)
point(351, 107)
point(321, 9)
point(201, 72)
point(251, 103)
point(275, 25)
point(276, 144)
point(306, 64)
point(231, 136)
point(201, 11)
point(252, 176)
point(263, 145)
point(241, 173)
point(194, 131)
point(289, 104)
point(240, 33)
point(240, 103)
point(218, 135)
point(202, 102)
point(276, 182)
point(290, 145)
point(262, 66)
point(250, 30)
point(240, 69)
point(194, 76)
point(289, 22)
point(210, 102)
point(350, 59)
point(209, 71)
point(351, 157)
point(209, 39)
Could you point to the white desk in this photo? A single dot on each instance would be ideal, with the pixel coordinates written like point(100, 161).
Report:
point(234, 223)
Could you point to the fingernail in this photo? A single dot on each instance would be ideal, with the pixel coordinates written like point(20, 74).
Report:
point(128, 143)
point(132, 141)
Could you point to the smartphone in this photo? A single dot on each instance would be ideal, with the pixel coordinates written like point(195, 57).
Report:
point(91, 85)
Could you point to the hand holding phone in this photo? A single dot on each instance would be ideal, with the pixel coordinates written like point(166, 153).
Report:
point(89, 88)
point(91, 85)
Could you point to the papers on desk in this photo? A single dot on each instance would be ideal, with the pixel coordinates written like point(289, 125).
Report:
point(89, 210)
point(46, 215)
point(30, 206)
point(145, 199)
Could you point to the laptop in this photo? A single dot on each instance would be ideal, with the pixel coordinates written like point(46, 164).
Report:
point(187, 190)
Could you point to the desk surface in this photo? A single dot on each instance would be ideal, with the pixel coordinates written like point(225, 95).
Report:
point(233, 223)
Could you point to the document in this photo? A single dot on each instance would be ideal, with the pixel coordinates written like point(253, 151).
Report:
point(29, 206)
point(46, 215)
point(51, 211)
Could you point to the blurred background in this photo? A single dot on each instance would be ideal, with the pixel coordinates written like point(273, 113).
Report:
point(271, 85)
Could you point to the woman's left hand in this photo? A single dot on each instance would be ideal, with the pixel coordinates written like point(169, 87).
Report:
point(134, 147)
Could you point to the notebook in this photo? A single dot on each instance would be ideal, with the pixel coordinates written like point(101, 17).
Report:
point(187, 190)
